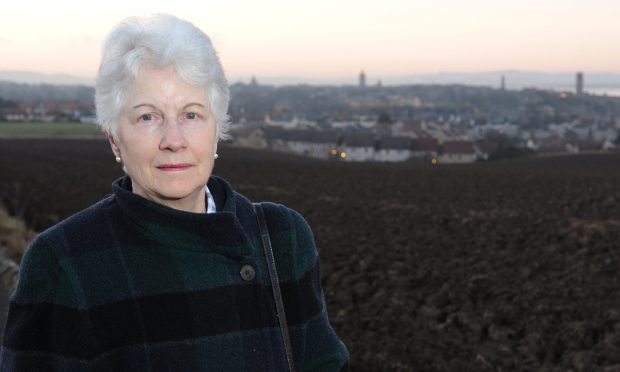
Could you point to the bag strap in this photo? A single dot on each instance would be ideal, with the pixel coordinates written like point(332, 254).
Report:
point(275, 284)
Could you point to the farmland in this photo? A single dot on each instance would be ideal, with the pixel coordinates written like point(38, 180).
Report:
point(509, 266)
point(49, 130)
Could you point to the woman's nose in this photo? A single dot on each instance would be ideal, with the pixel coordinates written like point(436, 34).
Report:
point(173, 138)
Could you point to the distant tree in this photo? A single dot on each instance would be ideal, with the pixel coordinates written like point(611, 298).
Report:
point(493, 136)
point(505, 146)
point(4, 103)
point(571, 135)
point(384, 118)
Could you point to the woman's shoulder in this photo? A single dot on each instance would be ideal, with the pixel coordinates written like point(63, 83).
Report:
point(280, 217)
point(292, 239)
point(84, 227)
point(290, 234)
point(42, 263)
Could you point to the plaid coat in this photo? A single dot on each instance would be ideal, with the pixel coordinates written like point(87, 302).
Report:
point(131, 285)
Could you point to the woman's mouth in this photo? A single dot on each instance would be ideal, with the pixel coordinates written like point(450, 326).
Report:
point(174, 167)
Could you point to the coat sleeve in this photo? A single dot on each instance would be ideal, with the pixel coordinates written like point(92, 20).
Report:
point(321, 350)
point(44, 330)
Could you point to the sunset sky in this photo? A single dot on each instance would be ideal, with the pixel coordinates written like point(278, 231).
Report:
point(333, 39)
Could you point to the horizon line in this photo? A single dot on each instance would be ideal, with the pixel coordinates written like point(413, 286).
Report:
point(366, 71)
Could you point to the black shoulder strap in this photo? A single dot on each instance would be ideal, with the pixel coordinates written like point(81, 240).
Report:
point(275, 284)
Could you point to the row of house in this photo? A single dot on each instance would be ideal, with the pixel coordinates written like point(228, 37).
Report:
point(354, 146)
point(49, 112)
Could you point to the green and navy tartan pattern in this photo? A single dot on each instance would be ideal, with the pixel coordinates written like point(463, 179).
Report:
point(131, 285)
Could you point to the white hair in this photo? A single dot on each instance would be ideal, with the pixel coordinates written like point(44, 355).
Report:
point(162, 40)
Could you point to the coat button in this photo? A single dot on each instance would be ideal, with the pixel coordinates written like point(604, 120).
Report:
point(247, 273)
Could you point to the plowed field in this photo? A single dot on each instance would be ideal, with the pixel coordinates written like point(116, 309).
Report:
point(505, 266)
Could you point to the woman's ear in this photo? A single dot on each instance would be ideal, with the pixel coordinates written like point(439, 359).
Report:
point(113, 143)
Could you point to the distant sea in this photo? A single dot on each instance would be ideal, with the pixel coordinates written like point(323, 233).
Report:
point(610, 91)
point(598, 90)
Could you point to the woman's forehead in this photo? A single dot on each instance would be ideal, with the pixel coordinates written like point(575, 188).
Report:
point(156, 86)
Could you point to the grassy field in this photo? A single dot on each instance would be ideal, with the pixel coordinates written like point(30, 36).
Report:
point(49, 130)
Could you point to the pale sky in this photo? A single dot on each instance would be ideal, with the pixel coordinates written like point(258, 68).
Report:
point(332, 38)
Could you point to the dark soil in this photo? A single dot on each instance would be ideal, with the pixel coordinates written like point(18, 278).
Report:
point(501, 266)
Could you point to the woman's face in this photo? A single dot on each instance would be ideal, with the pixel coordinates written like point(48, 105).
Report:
point(166, 139)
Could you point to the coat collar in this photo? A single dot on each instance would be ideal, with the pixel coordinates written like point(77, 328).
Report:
point(219, 232)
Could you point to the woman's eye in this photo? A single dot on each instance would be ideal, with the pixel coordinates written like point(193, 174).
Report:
point(147, 117)
point(191, 115)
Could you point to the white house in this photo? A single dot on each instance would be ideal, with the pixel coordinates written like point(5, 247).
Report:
point(358, 147)
point(276, 138)
point(313, 143)
point(393, 149)
point(252, 137)
point(424, 148)
point(299, 141)
point(455, 152)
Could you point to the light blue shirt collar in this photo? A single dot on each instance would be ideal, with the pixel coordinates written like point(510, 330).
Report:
point(210, 201)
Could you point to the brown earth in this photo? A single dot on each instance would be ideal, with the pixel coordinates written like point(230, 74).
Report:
point(505, 266)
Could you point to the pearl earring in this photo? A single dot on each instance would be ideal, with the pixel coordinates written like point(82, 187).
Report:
point(216, 156)
point(118, 159)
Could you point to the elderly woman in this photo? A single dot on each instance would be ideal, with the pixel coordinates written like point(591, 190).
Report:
point(171, 271)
